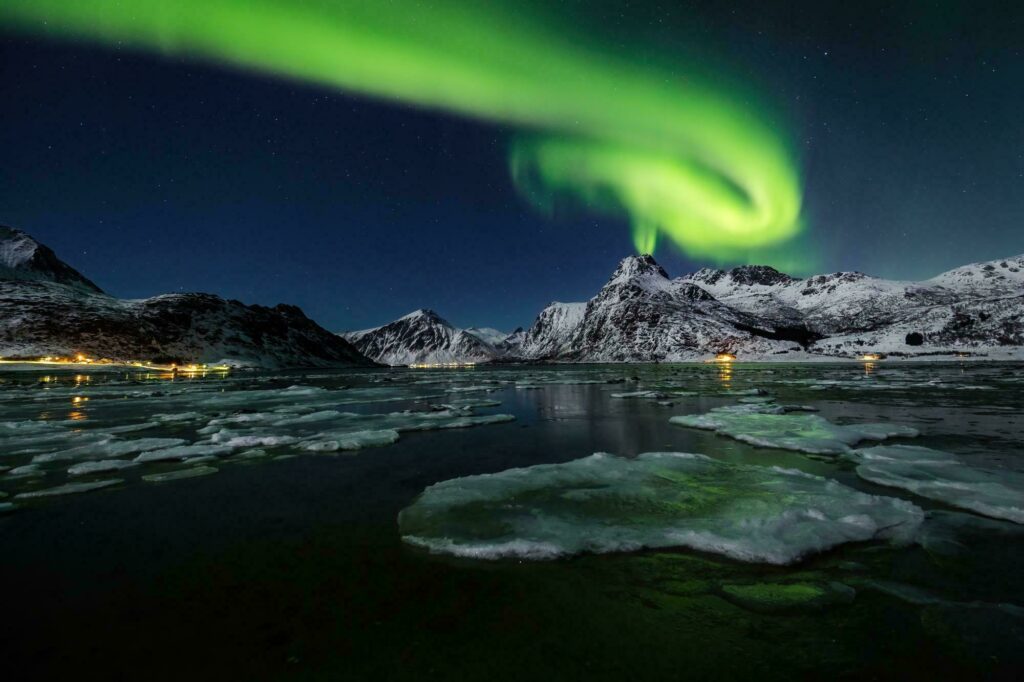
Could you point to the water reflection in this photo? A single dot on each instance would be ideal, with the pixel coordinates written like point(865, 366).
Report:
point(725, 374)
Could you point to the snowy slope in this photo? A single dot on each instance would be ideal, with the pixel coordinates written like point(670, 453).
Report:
point(997, 276)
point(488, 334)
point(23, 258)
point(550, 333)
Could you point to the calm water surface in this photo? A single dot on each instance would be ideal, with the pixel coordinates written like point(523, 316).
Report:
point(284, 566)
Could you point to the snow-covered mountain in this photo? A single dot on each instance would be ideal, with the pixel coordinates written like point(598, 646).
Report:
point(422, 337)
point(971, 308)
point(49, 309)
point(754, 312)
point(640, 315)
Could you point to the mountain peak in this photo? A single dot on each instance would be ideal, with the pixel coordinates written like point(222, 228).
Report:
point(425, 314)
point(23, 258)
point(759, 274)
point(639, 266)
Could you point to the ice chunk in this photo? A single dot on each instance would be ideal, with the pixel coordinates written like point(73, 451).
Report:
point(605, 503)
point(179, 452)
point(102, 466)
point(644, 395)
point(69, 489)
point(944, 477)
point(108, 448)
point(248, 454)
point(469, 403)
point(21, 428)
point(179, 474)
point(233, 439)
point(355, 440)
point(27, 470)
point(6, 507)
point(755, 424)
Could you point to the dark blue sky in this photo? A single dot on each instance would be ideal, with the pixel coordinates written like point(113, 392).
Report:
point(151, 174)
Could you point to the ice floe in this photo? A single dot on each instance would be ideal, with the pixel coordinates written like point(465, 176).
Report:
point(351, 440)
point(944, 477)
point(26, 470)
point(102, 466)
point(771, 426)
point(68, 489)
point(181, 452)
point(108, 448)
point(605, 503)
point(179, 474)
point(644, 395)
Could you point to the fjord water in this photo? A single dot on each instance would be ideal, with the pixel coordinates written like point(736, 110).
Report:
point(281, 555)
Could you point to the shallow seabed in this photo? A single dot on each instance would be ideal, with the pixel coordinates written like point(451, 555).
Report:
point(245, 526)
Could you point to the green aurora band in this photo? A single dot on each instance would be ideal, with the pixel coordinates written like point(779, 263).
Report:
point(674, 155)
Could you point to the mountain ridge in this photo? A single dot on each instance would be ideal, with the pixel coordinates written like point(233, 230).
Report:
point(49, 309)
point(758, 312)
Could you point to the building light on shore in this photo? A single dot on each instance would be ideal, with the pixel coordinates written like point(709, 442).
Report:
point(80, 359)
point(437, 365)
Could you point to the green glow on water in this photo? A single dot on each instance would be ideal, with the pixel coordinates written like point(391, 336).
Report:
point(675, 154)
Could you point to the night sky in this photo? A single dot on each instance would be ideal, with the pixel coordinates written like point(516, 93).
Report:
point(153, 173)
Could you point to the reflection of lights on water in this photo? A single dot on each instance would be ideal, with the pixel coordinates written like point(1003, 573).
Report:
point(76, 415)
point(870, 361)
point(725, 372)
point(79, 399)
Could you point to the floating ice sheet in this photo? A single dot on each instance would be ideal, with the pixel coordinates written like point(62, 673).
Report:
point(769, 426)
point(944, 477)
point(68, 489)
point(182, 452)
point(107, 448)
point(352, 440)
point(102, 466)
point(179, 474)
point(642, 395)
point(605, 503)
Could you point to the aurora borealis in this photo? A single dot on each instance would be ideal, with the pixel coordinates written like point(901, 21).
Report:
point(365, 159)
point(704, 166)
